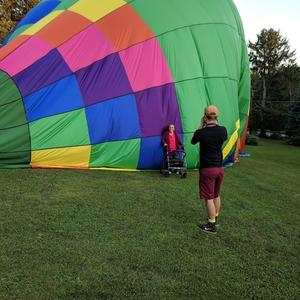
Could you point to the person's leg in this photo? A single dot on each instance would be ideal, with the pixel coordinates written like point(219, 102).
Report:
point(206, 187)
point(217, 204)
point(210, 226)
point(166, 159)
point(206, 184)
point(217, 191)
point(211, 210)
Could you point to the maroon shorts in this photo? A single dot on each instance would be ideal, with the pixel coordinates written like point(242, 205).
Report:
point(210, 181)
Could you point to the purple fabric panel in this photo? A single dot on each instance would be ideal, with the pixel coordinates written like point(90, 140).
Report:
point(157, 109)
point(105, 79)
point(45, 71)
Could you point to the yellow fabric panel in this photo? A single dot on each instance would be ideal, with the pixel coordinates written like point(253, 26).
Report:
point(96, 9)
point(42, 23)
point(71, 157)
point(234, 137)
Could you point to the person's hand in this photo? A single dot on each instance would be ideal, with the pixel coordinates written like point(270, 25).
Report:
point(165, 145)
point(203, 123)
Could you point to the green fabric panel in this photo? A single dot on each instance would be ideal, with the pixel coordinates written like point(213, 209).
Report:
point(245, 81)
point(192, 99)
point(15, 160)
point(12, 114)
point(14, 136)
point(238, 19)
point(19, 31)
point(3, 76)
point(192, 151)
point(65, 4)
point(181, 54)
point(64, 130)
point(194, 95)
point(244, 91)
point(15, 139)
point(202, 51)
point(120, 154)
point(220, 91)
point(8, 90)
point(176, 13)
point(224, 94)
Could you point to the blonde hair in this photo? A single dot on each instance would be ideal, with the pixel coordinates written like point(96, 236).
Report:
point(211, 113)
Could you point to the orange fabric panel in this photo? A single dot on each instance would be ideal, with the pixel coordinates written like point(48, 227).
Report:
point(124, 28)
point(244, 136)
point(63, 27)
point(237, 150)
point(13, 45)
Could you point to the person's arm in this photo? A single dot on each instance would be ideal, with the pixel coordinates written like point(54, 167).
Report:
point(196, 137)
point(178, 139)
point(225, 134)
point(164, 140)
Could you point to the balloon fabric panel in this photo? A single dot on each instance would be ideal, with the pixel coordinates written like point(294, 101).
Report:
point(91, 84)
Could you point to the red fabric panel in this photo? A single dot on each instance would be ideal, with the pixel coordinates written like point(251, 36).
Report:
point(124, 28)
point(63, 27)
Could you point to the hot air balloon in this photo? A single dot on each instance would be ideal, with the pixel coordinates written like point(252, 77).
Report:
point(93, 83)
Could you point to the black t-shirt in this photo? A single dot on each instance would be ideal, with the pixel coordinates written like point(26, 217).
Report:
point(211, 139)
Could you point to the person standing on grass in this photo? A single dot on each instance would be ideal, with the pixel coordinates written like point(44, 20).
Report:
point(211, 137)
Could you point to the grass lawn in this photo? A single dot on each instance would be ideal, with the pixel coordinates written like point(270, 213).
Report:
point(109, 235)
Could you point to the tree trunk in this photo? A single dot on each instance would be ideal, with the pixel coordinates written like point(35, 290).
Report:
point(264, 92)
point(263, 107)
point(290, 91)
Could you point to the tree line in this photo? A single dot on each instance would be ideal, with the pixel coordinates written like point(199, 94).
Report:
point(275, 75)
point(275, 84)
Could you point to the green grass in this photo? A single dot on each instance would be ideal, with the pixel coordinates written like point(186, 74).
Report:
point(108, 235)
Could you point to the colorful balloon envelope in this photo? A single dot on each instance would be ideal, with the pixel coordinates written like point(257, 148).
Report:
point(94, 83)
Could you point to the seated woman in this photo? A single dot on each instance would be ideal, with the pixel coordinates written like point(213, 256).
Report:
point(171, 140)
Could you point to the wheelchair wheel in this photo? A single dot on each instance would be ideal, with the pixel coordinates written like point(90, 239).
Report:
point(183, 175)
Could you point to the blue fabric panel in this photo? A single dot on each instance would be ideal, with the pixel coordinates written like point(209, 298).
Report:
point(43, 72)
point(151, 153)
point(113, 120)
point(60, 97)
point(229, 159)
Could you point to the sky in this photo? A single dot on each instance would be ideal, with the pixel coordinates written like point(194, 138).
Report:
point(277, 14)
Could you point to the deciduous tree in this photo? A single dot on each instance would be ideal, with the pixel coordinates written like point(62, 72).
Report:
point(11, 12)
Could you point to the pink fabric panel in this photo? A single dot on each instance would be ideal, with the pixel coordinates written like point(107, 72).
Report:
point(146, 65)
point(85, 48)
point(24, 56)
